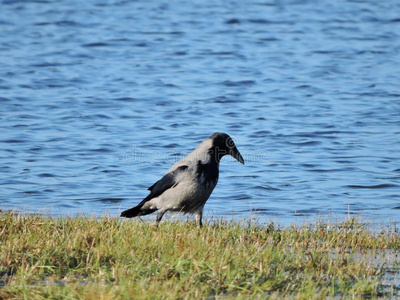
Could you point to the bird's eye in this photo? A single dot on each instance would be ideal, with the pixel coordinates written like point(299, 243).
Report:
point(230, 142)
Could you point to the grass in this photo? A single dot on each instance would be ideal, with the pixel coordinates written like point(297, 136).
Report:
point(105, 258)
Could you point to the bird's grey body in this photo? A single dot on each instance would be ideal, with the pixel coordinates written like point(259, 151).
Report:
point(188, 184)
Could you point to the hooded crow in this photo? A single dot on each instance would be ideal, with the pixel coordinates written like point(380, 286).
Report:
point(188, 183)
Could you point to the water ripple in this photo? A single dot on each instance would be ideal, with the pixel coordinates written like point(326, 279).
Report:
point(98, 99)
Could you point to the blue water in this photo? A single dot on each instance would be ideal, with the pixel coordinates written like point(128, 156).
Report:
point(99, 98)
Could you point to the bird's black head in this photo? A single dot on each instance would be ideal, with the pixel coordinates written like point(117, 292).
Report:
point(223, 144)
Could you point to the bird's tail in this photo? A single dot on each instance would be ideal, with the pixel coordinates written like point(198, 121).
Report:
point(136, 212)
point(132, 212)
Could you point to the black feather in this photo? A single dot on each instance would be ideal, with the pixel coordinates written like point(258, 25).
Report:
point(136, 211)
point(168, 181)
point(208, 170)
point(165, 183)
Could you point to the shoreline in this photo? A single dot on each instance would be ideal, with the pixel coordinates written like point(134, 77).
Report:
point(375, 224)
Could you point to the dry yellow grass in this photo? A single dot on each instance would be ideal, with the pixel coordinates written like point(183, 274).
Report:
point(106, 258)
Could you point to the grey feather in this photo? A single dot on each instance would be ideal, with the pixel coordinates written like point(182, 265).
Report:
point(169, 180)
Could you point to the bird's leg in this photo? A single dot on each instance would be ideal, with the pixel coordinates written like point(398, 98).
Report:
point(199, 216)
point(159, 217)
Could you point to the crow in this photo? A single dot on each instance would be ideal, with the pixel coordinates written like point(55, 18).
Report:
point(188, 183)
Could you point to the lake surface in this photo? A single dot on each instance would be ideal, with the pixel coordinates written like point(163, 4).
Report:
point(99, 98)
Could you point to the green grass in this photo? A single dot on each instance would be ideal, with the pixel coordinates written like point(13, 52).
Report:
point(107, 258)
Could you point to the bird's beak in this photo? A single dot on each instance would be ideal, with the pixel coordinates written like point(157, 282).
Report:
point(236, 154)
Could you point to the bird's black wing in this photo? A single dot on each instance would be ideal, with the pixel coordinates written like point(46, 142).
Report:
point(168, 181)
